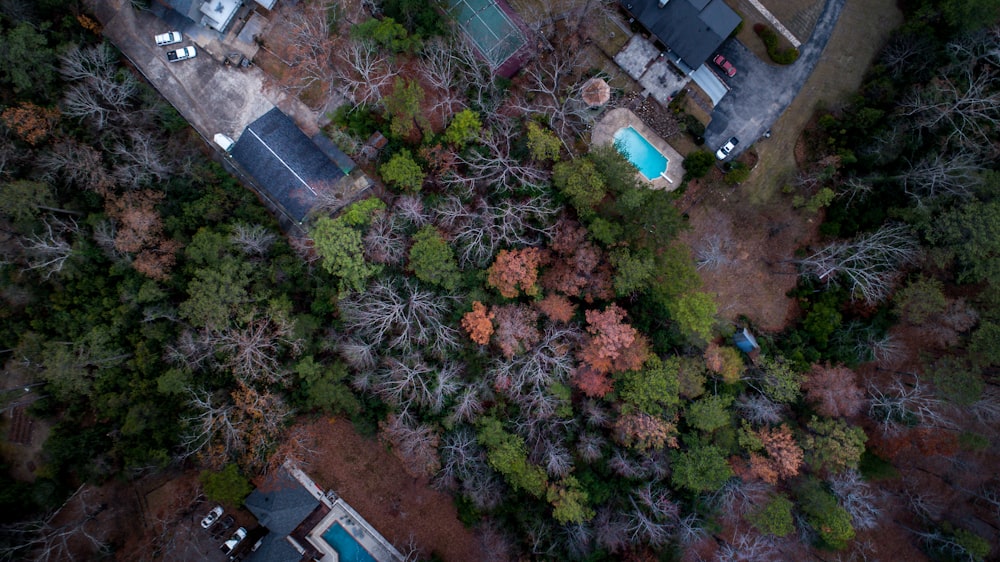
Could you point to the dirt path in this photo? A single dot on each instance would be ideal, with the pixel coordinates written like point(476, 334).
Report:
point(399, 506)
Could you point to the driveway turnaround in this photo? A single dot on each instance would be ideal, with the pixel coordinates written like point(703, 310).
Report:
point(760, 92)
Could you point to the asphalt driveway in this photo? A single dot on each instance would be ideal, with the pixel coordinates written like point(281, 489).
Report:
point(760, 92)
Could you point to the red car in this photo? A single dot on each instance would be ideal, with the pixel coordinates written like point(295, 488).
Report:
point(725, 65)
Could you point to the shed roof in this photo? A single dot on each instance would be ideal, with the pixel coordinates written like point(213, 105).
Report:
point(281, 505)
point(285, 164)
point(693, 29)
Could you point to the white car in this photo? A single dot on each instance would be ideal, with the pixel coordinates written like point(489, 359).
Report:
point(183, 53)
point(212, 517)
point(169, 38)
point(725, 149)
point(233, 541)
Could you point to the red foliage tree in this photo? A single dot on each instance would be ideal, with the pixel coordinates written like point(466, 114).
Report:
point(834, 391)
point(478, 323)
point(556, 307)
point(578, 267)
point(516, 328)
point(592, 383)
point(613, 345)
point(516, 270)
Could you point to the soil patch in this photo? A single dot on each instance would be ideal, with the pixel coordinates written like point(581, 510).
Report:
point(372, 480)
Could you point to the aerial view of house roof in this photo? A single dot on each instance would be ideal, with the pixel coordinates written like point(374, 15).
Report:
point(692, 29)
point(285, 164)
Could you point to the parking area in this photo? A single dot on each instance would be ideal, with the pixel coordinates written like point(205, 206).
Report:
point(760, 92)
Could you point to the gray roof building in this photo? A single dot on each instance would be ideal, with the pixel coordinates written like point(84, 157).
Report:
point(691, 29)
point(281, 505)
point(288, 167)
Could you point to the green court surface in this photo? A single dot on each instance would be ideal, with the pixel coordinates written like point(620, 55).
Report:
point(488, 26)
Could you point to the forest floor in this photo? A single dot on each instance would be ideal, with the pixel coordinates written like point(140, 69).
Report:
point(373, 481)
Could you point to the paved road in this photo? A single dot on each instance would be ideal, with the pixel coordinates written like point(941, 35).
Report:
point(761, 91)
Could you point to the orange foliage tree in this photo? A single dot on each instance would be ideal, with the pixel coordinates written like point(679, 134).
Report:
point(140, 232)
point(784, 456)
point(612, 346)
point(478, 323)
point(30, 122)
point(516, 270)
point(557, 308)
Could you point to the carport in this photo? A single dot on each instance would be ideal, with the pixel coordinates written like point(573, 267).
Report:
point(710, 83)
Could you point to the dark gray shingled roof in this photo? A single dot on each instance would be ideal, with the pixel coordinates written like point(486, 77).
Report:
point(284, 163)
point(281, 505)
point(693, 29)
point(274, 548)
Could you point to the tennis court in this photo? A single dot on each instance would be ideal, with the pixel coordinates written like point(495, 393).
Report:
point(489, 27)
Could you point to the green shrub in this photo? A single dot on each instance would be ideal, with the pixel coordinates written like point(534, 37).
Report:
point(771, 41)
point(227, 486)
point(697, 164)
point(738, 174)
point(774, 518)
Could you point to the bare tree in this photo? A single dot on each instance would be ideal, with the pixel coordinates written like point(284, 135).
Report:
point(253, 351)
point(711, 253)
point(366, 71)
point(590, 447)
point(651, 516)
point(414, 443)
point(758, 409)
point(553, 90)
point(139, 161)
point(941, 175)
point(100, 91)
point(902, 403)
point(400, 315)
point(496, 164)
point(252, 239)
point(868, 265)
point(385, 241)
point(47, 251)
point(857, 497)
point(965, 107)
point(58, 535)
point(611, 529)
point(747, 547)
point(468, 404)
point(482, 228)
point(410, 381)
point(360, 355)
point(76, 164)
point(441, 68)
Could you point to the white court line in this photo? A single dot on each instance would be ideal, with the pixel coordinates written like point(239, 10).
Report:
point(777, 24)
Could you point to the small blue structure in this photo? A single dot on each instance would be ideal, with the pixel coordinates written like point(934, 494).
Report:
point(745, 341)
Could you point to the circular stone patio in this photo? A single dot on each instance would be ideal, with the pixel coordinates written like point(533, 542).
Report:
point(616, 119)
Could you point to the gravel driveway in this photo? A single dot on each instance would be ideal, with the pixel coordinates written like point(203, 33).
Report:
point(761, 91)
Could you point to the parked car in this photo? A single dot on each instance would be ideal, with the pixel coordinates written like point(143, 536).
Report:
point(211, 517)
point(233, 541)
point(168, 38)
point(725, 65)
point(183, 53)
point(725, 149)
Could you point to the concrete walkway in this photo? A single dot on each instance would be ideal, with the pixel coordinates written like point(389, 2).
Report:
point(777, 24)
point(761, 92)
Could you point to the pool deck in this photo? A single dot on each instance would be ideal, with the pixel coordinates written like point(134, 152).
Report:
point(365, 534)
point(616, 119)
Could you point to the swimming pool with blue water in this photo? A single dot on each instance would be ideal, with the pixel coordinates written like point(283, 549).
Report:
point(346, 546)
point(641, 153)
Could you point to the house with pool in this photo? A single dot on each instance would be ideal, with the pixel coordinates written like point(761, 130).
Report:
point(659, 164)
point(306, 523)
